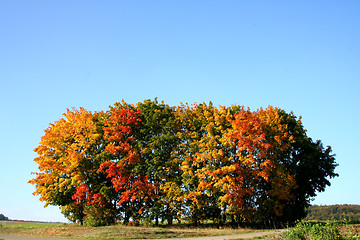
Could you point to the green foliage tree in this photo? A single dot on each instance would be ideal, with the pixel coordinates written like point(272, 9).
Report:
point(310, 163)
point(156, 139)
point(347, 212)
point(3, 218)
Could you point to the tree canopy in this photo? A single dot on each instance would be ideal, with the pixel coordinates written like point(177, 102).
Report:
point(152, 161)
point(350, 213)
point(3, 218)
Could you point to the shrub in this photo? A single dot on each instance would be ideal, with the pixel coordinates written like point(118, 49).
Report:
point(98, 217)
point(315, 231)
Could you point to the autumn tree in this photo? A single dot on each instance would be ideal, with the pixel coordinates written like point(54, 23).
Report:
point(191, 122)
point(250, 165)
point(213, 158)
point(126, 168)
point(204, 155)
point(285, 167)
point(69, 155)
point(276, 190)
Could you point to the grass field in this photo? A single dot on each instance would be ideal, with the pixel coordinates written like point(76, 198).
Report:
point(119, 231)
point(304, 230)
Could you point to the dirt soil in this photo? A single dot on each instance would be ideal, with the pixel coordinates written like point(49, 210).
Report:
point(236, 236)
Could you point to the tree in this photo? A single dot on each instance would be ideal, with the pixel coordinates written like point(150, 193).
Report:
point(250, 167)
point(69, 155)
point(308, 162)
point(156, 140)
point(3, 218)
point(350, 213)
point(191, 131)
point(126, 167)
point(277, 189)
point(204, 155)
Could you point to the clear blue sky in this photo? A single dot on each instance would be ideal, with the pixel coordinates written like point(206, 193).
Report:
point(302, 56)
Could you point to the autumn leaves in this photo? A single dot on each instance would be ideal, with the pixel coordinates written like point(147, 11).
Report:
point(154, 162)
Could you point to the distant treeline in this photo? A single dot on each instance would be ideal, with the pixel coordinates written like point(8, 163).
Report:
point(346, 212)
point(3, 218)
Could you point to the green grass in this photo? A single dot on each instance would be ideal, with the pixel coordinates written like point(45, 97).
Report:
point(24, 228)
point(329, 230)
point(26, 225)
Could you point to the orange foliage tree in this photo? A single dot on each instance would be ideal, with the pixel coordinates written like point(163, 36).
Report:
point(66, 160)
point(126, 168)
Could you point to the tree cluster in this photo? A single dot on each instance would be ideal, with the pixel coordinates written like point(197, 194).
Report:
point(3, 218)
point(153, 162)
point(347, 212)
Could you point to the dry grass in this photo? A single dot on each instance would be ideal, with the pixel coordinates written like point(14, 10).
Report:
point(61, 230)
